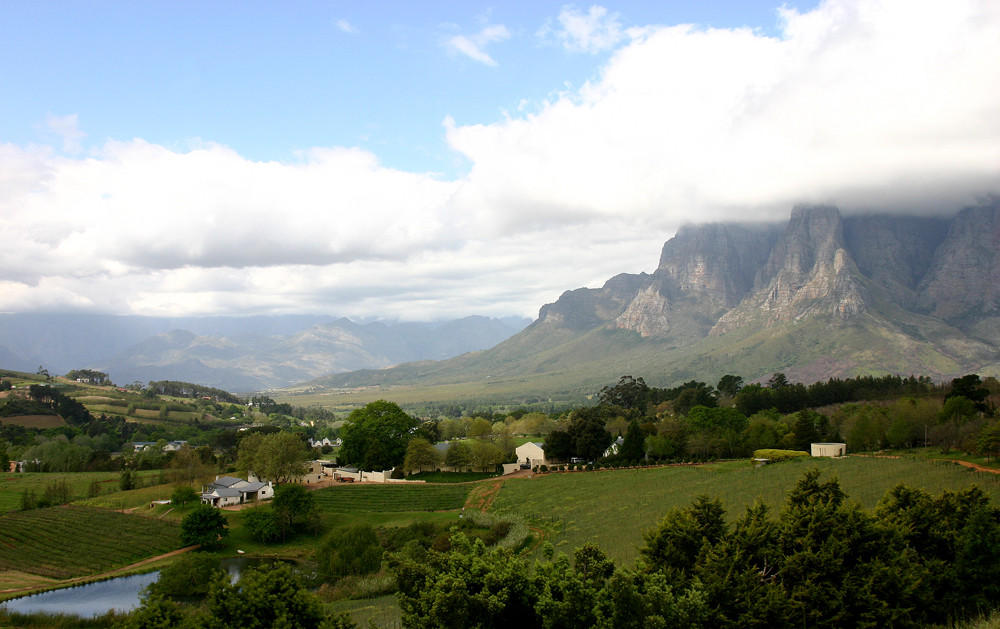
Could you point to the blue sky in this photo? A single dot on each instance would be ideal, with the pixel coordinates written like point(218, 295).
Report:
point(268, 79)
point(426, 160)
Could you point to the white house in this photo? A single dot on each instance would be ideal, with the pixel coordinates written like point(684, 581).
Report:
point(615, 447)
point(228, 490)
point(531, 454)
point(174, 446)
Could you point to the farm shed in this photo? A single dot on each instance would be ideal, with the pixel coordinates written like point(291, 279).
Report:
point(531, 453)
point(829, 449)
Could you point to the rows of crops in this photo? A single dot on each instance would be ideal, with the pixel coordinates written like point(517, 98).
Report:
point(391, 498)
point(65, 542)
point(614, 509)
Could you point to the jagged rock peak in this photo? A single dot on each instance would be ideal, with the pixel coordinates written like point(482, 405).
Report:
point(717, 260)
point(809, 271)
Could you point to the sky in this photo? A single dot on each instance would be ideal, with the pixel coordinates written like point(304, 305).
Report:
point(433, 160)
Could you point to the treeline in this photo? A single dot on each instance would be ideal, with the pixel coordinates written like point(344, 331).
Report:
point(696, 421)
point(191, 390)
point(821, 561)
point(89, 375)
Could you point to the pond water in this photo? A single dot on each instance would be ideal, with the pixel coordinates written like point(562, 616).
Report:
point(121, 593)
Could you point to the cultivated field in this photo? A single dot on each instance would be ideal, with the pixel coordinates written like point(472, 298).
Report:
point(13, 485)
point(34, 421)
point(348, 498)
point(70, 541)
point(614, 508)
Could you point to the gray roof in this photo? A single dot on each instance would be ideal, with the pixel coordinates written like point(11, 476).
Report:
point(226, 481)
point(249, 487)
point(223, 492)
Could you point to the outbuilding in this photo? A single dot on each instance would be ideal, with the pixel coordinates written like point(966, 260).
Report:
point(531, 454)
point(829, 449)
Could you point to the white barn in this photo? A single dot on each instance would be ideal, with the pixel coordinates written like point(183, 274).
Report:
point(531, 454)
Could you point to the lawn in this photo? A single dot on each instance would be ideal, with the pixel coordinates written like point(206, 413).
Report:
point(614, 508)
point(70, 541)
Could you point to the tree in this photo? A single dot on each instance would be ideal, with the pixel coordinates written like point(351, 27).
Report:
point(187, 577)
point(4, 457)
point(458, 455)
point(485, 455)
point(957, 411)
point(633, 448)
point(375, 436)
point(293, 502)
point(970, 387)
point(590, 438)
point(279, 457)
point(347, 551)
point(420, 454)
point(205, 526)
point(184, 494)
point(730, 385)
point(559, 446)
point(265, 525)
point(777, 380)
point(127, 480)
point(265, 598)
point(629, 393)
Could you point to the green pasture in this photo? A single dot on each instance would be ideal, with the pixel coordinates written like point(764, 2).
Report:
point(13, 485)
point(71, 541)
point(614, 508)
point(392, 498)
point(131, 499)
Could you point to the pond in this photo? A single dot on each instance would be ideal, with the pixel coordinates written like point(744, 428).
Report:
point(121, 593)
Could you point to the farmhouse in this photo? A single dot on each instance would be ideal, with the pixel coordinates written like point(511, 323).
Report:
point(225, 491)
point(531, 454)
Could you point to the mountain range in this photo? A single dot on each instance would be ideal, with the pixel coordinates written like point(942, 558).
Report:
point(238, 354)
point(823, 295)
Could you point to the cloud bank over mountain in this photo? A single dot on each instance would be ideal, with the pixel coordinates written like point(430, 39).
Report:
point(883, 106)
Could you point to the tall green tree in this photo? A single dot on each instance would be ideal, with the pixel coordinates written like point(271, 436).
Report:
point(420, 454)
point(375, 436)
point(205, 526)
point(633, 448)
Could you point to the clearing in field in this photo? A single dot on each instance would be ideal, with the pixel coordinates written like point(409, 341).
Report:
point(614, 508)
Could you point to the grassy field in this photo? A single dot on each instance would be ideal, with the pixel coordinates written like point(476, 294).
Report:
point(614, 508)
point(394, 498)
point(13, 485)
point(70, 541)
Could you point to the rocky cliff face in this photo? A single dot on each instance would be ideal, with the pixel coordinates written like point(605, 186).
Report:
point(908, 279)
point(962, 285)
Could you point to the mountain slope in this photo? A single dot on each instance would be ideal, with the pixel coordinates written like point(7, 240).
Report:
point(818, 297)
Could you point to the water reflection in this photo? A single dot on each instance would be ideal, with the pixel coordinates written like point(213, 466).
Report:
point(91, 599)
point(120, 593)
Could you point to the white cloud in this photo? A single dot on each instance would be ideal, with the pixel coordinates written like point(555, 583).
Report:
point(346, 26)
point(474, 46)
point(869, 105)
point(591, 32)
